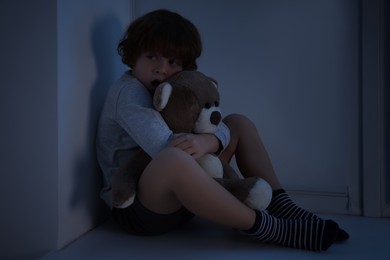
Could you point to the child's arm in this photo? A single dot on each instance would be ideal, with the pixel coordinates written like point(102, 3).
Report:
point(196, 145)
point(145, 126)
point(199, 144)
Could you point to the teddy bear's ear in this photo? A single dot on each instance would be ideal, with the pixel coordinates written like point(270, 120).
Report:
point(215, 83)
point(161, 96)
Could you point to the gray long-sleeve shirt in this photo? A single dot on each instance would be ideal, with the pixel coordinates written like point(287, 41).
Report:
point(128, 122)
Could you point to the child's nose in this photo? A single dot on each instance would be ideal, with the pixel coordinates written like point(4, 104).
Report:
point(162, 67)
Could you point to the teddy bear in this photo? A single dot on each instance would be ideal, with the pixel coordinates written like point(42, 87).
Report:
point(189, 103)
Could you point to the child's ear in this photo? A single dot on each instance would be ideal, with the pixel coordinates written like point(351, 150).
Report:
point(161, 96)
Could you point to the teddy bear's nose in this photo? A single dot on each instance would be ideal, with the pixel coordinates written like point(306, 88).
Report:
point(215, 117)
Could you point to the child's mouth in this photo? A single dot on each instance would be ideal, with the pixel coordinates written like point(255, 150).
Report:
point(155, 83)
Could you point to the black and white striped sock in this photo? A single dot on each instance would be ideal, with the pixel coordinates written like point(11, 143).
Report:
point(307, 234)
point(282, 206)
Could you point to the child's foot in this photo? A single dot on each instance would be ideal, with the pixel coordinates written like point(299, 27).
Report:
point(308, 234)
point(282, 206)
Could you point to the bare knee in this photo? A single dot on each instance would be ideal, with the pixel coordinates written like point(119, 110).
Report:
point(240, 127)
point(156, 187)
point(168, 161)
point(173, 158)
point(238, 121)
point(169, 170)
point(170, 167)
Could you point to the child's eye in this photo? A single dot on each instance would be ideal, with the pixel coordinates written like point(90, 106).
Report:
point(216, 103)
point(207, 105)
point(175, 62)
point(152, 57)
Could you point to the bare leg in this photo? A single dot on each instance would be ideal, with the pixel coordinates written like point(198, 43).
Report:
point(174, 179)
point(251, 156)
point(253, 160)
point(165, 186)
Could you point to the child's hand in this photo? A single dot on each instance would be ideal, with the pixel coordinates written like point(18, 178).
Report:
point(195, 145)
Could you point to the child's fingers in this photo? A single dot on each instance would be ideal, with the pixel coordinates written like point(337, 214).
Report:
point(185, 142)
point(177, 140)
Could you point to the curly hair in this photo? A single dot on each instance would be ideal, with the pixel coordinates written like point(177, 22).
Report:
point(164, 32)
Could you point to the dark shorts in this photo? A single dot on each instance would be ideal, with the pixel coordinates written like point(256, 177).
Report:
point(138, 220)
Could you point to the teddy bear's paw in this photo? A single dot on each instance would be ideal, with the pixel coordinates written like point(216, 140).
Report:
point(212, 165)
point(260, 195)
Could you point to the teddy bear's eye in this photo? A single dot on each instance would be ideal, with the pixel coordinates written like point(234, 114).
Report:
point(207, 105)
point(216, 103)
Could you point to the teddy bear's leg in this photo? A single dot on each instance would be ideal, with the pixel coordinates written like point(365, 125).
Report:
point(253, 191)
point(229, 172)
point(212, 165)
point(125, 181)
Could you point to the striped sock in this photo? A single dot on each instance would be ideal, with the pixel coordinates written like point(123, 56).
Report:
point(282, 206)
point(308, 234)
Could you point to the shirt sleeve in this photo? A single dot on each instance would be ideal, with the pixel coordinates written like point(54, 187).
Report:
point(136, 115)
point(223, 135)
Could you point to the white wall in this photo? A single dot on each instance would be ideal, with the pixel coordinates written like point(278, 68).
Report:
point(57, 60)
point(88, 32)
point(28, 132)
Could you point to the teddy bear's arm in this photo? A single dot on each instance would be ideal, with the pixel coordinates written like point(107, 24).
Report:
point(229, 172)
point(125, 181)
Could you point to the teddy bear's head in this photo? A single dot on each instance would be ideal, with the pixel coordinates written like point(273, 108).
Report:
point(189, 102)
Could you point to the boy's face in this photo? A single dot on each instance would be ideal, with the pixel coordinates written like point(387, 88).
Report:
point(151, 69)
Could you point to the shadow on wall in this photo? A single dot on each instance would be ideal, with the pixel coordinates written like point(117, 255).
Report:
point(105, 35)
